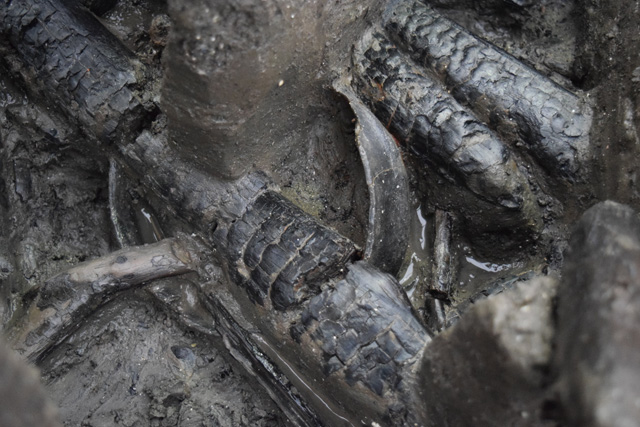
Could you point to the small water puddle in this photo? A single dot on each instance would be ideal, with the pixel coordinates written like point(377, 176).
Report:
point(473, 277)
point(491, 267)
point(475, 273)
point(417, 264)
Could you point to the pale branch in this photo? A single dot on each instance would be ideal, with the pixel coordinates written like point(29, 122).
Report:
point(63, 301)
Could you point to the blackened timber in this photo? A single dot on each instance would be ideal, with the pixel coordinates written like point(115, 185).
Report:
point(388, 184)
point(277, 252)
point(196, 196)
point(77, 63)
point(424, 116)
point(282, 254)
point(366, 331)
point(368, 341)
point(553, 122)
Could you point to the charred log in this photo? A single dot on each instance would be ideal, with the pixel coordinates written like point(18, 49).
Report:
point(76, 63)
point(553, 122)
point(438, 129)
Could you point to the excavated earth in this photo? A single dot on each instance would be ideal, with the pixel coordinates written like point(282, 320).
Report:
point(133, 363)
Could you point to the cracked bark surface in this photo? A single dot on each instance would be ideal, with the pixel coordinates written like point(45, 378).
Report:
point(552, 121)
point(97, 80)
point(434, 125)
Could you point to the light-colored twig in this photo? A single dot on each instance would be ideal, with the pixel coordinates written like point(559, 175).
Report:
point(67, 298)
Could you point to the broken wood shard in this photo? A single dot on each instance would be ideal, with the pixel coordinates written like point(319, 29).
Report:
point(442, 276)
point(130, 266)
point(388, 228)
point(443, 271)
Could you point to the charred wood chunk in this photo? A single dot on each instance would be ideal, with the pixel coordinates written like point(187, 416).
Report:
point(199, 198)
point(281, 253)
point(367, 334)
point(434, 125)
point(598, 319)
point(277, 251)
point(553, 122)
point(79, 64)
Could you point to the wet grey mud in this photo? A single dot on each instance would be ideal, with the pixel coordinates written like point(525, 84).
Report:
point(303, 213)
